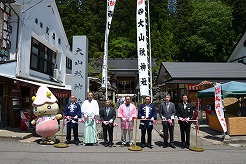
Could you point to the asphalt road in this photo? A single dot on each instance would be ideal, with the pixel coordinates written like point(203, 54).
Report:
point(29, 152)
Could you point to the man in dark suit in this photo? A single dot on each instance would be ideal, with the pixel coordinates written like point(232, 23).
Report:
point(167, 113)
point(185, 113)
point(108, 115)
point(146, 111)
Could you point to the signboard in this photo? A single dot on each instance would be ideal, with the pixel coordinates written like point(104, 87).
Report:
point(80, 68)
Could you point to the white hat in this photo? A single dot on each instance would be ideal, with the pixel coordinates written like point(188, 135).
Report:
point(43, 96)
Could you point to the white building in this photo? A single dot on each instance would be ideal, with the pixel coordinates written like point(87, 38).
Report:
point(34, 50)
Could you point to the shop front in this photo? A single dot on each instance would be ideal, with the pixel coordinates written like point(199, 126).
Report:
point(233, 94)
point(16, 101)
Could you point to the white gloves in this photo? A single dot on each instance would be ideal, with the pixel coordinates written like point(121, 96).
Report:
point(124, 119)
point(85, 115)
point(180, 118)
point(111, 121)
point(143, 117)
point(163, 118)
point(172, 117)
point(76, 116)
point(152, 118)
point(130, 119)
point(105, 122)
point(170, 121)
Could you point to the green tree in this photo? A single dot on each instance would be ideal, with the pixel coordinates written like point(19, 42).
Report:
point(239, 18)
point(207, 33)
point(162, 38)
point(122, 47)
point(200, 30)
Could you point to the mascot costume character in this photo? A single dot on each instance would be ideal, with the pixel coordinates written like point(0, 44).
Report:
point(45, 107)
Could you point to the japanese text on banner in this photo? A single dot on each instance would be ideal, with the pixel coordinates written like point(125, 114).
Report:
point(142, 49)
point(219, 106)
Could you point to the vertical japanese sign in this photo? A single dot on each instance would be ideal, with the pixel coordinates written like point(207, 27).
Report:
point(142, 49)
point(109, 16)
point(80, 68)
point(219, 106)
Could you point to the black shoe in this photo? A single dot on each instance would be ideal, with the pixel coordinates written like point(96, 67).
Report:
point(68, 142)
point(150, 146)
point(110, 144)
point(187, 146)
point(106, 145)
point(142, 145)
point(173, 146)
point(164, 146)
point(76, 143)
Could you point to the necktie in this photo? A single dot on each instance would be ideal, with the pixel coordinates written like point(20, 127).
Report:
point(167, 105)
point(107, 111)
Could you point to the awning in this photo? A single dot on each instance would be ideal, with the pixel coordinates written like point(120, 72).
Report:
point(39, 84)
point(36, 83)
point(229, 89)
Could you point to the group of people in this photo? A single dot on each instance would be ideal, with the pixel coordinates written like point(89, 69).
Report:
point(90, 114)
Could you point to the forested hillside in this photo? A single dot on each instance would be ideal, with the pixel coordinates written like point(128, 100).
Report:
point(194, 30)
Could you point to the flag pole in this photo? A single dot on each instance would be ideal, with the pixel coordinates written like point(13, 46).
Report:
point(135, 147)
point(106, 51)
point(196, 148)
point(150, 56)
point(105, 58)
point(61, 144)
point(109, 15)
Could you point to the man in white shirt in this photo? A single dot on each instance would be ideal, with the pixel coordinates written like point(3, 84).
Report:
point(147, 113)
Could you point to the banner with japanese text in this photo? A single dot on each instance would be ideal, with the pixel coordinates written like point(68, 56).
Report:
point(142, 49)
point(110, 11)
point(219, 106)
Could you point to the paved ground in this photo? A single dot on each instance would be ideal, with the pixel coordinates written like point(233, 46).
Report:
point(28, 151)
point(206, 136)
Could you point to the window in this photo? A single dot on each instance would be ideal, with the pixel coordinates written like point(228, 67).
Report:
point(43, 59)
point(69, 63)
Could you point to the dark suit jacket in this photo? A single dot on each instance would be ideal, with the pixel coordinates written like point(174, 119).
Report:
point(105, 117)
point(184, 113)
point(142, 112)
point(167, 113)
